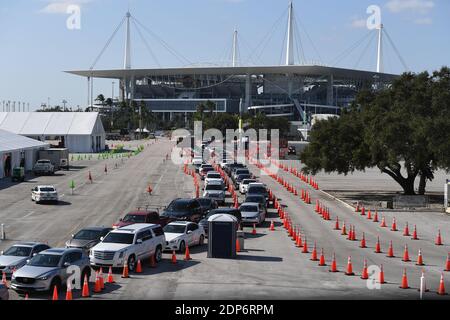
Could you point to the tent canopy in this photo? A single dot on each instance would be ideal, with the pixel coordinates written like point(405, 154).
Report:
point(12, 142)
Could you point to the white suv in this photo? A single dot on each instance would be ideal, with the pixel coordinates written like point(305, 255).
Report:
point(128, 244)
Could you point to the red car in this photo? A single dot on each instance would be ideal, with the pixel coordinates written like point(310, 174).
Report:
point(142, 217)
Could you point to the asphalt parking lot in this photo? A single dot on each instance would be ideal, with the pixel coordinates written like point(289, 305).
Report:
point(271, 266)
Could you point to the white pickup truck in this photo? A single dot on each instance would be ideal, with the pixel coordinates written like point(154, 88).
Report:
point(43, 167)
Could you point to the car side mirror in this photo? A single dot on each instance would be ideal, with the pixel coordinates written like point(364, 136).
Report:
point(28, 261)
point(139, 241)
point(102, 238)
point(73, 236)
point(66, 264)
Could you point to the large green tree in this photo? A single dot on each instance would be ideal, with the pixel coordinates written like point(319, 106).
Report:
point(404, 130)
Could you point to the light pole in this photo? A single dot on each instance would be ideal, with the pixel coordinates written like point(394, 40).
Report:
point(64, 102)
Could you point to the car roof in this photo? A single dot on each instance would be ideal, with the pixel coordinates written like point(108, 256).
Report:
point(224, 210)
point(133, 228)
point(256, 195)
point(141, 213)
point(184, 223)
point(213, 172)
point(96, 228)
point(256, 204)
point(28, 244)
point(257, 184)
point(60, 251)
point(48, 186)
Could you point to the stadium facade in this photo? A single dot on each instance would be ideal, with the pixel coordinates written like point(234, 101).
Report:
point(293, 91)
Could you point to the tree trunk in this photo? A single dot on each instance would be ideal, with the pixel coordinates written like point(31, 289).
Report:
point(407, 184)
point(422, 184)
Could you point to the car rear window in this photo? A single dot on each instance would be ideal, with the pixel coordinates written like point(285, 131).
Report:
point(214, 187)
point(257, 189)
point(47, 189)
point(214, 176)
point(248, 208)
point(135, 218)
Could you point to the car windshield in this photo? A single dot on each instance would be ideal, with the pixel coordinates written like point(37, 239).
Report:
point(214, 176)
point(207, 169)
point(178, 206)
point(249, 208)
point(117, 237)
point(257, 189)
point(135, 218)
point(87, 235)
point(243, 176)
point(255, 199)
point(43, 162)
point(45, 260)
point(17, 251)
point(213, 187)
point(47, 189)
point(174, 228)
point(247, 181)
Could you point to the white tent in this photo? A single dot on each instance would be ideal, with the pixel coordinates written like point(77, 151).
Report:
point(77, 131)
point(15, 148)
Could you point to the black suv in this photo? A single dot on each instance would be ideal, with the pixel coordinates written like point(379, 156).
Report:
point(184, 210)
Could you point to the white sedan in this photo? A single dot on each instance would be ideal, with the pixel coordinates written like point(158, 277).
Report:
point(181, 233)
point(44, 193)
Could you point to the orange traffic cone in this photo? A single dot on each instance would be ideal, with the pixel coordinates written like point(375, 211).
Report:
point(363, 211)
point(125, 271)
point(406, 254)
point(391, 251)
point(439, 239)
point(254, 230)
point(110, 278)
point(394, 225)
point(354, 234)
point(174, 257)
point(420, 258)
point(404, 284)
point(383, 222)
point(238, 246)
point(447, 264)
point(139, 267)
point(375, 218)
point(272, 226)
point(337, 227)
point(187, 254)
point(322, 259)
point(378, 246)
point(305, 246)
point(357, 207)
point(334, 264)
point(344, 230)
point(381, 276)
point(314, 253)
point(350, 233)
point(97, 287)
point(85, 292)
point(365, 273)
point(106, 169)
point(299, 240)
point(349, 271)
point(26, 296)
point(363, 241)
point(102, 280)
point(406, 231)
point(69, 291)
point(55, 294)
point(369, 215)
point(415, 237)
point(441, 290)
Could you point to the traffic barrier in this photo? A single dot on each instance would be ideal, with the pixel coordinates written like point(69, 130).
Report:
point(125, 273)
point(404, 284)
point(349, 271)
point(363, 241)
point(314, 253)
point(420, 259)
point(365, 273)
point(394, 225)
point(333, 264)
point(441, 290)
point(187, 254)
point(406, 231)
point(55, 296)
point(439, 239)
point(322, 259)
point(85, 292)
point(378, 246)
point(391, 251)
point(406, 254)
point(110, 278)
point(415, 237)
point(139, 267)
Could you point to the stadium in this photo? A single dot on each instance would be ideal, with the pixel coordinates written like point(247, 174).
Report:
point(295, 91)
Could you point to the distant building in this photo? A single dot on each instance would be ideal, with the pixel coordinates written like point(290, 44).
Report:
point(80, 132)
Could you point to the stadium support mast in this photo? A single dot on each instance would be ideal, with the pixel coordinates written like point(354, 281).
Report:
point(380, 49)
point(234, 59)
point(127, 60)
point(290, 37)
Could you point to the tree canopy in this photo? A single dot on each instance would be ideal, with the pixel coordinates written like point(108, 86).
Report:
point(404, 130)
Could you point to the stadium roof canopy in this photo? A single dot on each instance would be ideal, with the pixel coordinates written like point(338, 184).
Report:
point(51, 123)
point(301, 70)
point(12, 142)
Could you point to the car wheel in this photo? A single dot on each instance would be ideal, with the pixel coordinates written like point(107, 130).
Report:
point(131, 263)
point(55, 282)
point(158, 254)
point(201, 241)
point(182, 247)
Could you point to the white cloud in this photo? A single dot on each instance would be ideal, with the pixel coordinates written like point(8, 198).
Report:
point(416, 6)
point(60, 6)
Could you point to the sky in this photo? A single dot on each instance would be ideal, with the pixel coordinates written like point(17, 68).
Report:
point(38, 44)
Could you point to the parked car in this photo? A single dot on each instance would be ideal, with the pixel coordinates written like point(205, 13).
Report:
point(87, 238)
point(4, 293)
point(231, 166)
point(127, 245)
point(207, 204)
point(184, 209)
point(241, 177)
point(243, 186)
point(142, 217)
point(48, 269)
point(215, 191)
point(231, 211)
point(259, 198)
point(258, 188)
point(182, 233)
point(16, 256)
point(204, 171)
point(43, 166)
point(238, 172)
point(44, 194)
point(213, 176)
point(252, 213)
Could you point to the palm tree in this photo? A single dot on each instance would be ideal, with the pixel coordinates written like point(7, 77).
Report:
point(100, 98)
point(211, 107)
